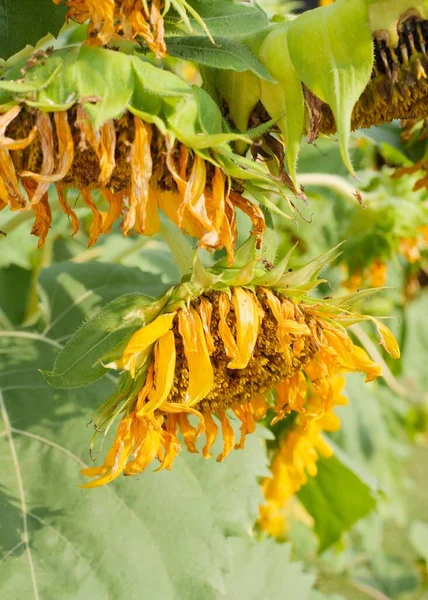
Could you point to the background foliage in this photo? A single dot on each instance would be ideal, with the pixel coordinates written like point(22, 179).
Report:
point(189, 534)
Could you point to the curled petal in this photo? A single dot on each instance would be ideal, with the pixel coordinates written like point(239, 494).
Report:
point(141, 172)
point(245, 415)
point(65, 207)
point(211, 430)
point(188, 432)
point(116, 458)
point(148, 445)
point(116, 203)
point(248, 319)
point(387, 339)
point(226, 334)
point(201, 375)
point(253, 212)
point(164, 361)
point(228, 436)
point(351, 357)
point(144, 338)
point(205, 312)
point(97, 221)
point(9, 187)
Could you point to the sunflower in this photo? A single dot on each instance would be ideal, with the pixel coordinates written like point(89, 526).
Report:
point(297, 454)
point(142, 141)
point(129, 19)
point(217, 343)
point(398, 87)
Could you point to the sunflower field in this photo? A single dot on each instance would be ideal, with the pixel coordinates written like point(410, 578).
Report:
point(213, 300)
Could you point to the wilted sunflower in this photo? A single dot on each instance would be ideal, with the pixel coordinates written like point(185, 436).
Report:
point(139, 135)
point(297, 454)
point(398, 88)
point(129, 19)
point(219, 342)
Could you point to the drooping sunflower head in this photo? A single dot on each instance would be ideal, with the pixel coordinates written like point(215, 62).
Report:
point(138, 140)
point(220, 342)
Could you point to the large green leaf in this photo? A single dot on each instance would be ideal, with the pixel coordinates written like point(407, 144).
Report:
point(26, 21)
point(224, 54)
point(159, 535)
point(336, 498)
point(264, 570)
point(331, 49)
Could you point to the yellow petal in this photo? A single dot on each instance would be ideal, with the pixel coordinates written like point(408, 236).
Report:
point(164, 361)
point(117, 456)
point(211, 433)
point(144, 338)
point(205, 311)
point(201, 375)
point(228, 436)
point(226, 335)
point(248, 319)
point(387, 339)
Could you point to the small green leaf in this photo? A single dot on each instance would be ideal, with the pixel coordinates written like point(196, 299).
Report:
point(78, 364)
point(310, 271)
point(225, 54)
point(336, 498)
point(332, 51)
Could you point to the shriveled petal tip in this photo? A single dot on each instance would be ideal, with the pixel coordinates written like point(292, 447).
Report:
point(201, 374)
point(228, 436)
point(248, 319)
point(116, 458)
point(387, 339)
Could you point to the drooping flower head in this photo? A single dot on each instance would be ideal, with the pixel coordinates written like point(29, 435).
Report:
point(139, 136)
point(218, 343)
point(129, 19)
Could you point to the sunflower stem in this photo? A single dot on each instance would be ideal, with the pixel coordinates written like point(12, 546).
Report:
point(181, 250)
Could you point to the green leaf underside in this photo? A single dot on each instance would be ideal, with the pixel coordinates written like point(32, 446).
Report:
point(283, 100)
point(225, 54)
point(331, 49)
point(173, 528)
point(225, 18)
point(336, 498)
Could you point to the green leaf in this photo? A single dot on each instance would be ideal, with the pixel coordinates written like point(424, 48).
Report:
point(78, 364)
point(225, 54)
point(172, 528)
point(225, 18)
point(108, 77)
point(265, 570)
point(74, 292)
point(332, 51)
point(283, 100)
point(26, 21)
point(336, 498)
